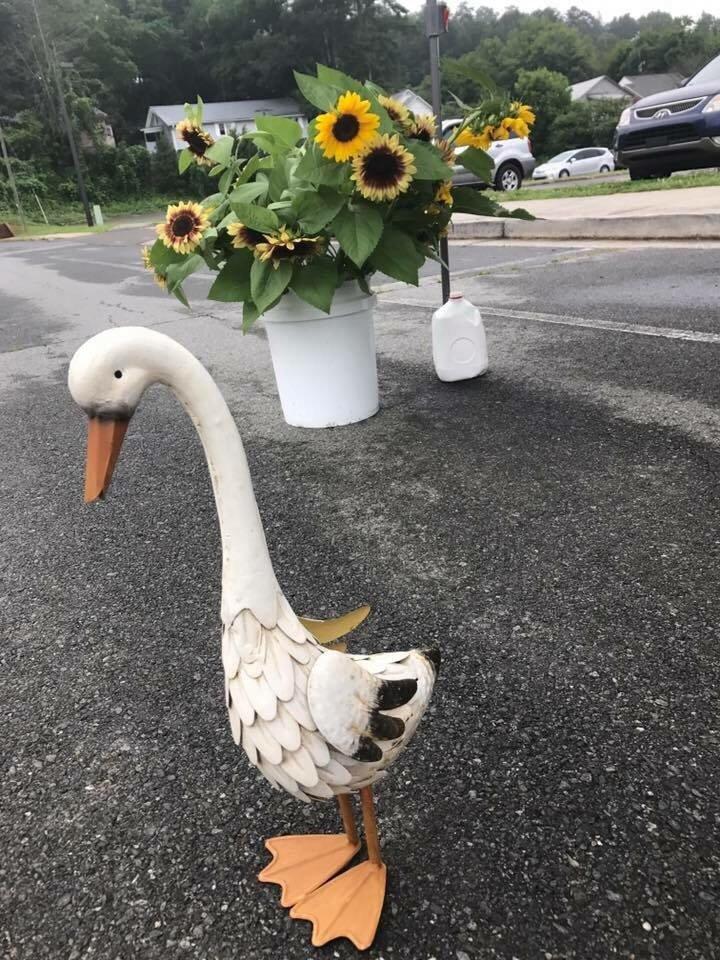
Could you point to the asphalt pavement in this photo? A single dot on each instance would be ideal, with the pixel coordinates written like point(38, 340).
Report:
point(552, 526)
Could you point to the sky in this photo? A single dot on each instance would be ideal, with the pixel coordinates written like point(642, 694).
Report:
point(605, 11)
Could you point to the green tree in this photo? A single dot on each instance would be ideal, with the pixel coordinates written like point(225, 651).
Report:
point(547, 93)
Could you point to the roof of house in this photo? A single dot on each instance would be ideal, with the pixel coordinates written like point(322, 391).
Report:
point(579, 91)
point(645, 84)
point(228, 110)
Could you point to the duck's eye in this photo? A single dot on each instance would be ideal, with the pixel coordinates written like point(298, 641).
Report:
point(118, 374)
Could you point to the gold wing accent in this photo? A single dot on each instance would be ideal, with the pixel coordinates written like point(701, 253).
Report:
point(329, 632)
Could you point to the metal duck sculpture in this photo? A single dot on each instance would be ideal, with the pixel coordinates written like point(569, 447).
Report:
point(316, 722)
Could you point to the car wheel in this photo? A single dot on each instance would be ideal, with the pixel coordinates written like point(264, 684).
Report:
point(508, 177)
point(563, 174)
point(642, 173)
point(604, 168)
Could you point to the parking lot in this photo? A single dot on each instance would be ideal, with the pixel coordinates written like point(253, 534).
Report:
point(552, 526)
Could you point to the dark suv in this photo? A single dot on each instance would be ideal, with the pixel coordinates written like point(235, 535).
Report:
point(675, 130)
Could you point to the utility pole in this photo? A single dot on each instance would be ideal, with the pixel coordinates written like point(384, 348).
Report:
point(54, 69)
point(11, 178)
point(436, 22)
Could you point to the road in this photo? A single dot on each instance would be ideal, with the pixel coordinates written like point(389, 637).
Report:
point(553, 526)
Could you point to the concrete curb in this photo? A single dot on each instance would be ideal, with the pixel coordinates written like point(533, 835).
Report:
point(680, 226)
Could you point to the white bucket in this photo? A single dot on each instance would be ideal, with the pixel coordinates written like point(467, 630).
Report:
point(325, 366)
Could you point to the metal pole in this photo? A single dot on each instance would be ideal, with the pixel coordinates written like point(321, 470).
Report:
point(11, 178)
point(73, 150)
point(55, 71)
point(434, 40)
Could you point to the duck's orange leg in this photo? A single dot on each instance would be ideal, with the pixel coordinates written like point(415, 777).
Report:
point(351, 904)
point(302, 863)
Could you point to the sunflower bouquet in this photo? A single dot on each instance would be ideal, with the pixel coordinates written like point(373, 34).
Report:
point(368, 188)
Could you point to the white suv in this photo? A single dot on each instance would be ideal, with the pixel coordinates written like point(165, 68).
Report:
point(513, 161)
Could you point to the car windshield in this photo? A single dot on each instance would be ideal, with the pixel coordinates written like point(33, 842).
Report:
point(562, 156)
point(709, 73)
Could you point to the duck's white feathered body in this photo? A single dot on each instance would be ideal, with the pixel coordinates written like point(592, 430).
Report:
point(316, 722)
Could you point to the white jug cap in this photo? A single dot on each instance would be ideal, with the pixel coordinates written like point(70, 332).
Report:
point(456, 295)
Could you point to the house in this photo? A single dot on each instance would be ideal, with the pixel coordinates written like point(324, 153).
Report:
point(218, 118)
point(646, 84)
point(413, 101)
point(599, 88)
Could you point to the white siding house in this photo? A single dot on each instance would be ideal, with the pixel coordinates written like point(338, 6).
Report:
point(218, 119)
point(599, 88)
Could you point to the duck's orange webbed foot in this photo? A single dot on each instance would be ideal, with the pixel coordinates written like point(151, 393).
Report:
point(348, 906)
point(300, 864)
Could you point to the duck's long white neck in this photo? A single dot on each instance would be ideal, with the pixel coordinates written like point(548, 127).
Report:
point(248, 579)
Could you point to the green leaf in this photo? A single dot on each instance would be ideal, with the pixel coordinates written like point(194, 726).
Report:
point(247, 192)
point(252, 166)
point(179, 293)
point(233, 281)
point(185, 159)
point(221, 151)
point(316, 282)
point(335, 78)
point(319, 94)
point(481, 78)
point(430, 165)
point(477, 162)
point(278, 180)
point(285, 130)
point(214, 200)
point(256, 217)
point(267, 282)
point(225, 181)
point(265, 141)
point(314, 168)
point(358, 232)
point(161, 257)
point(250, 315)
point(397, 256)
point(178, 272)
point(470, 200)
point(315, 209)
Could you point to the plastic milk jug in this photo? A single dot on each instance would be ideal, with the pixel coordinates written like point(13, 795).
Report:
point(458, 340)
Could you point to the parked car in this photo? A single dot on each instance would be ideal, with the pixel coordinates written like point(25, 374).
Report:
point(675, 130)
point(576, 163)
point(512, 159)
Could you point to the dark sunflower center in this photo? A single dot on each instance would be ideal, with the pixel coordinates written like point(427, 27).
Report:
point(196, 142)
point(346, 127)
point(282, 253)
point(422, 134)
point(252, 237)
point(183, 225)
point(382, 168)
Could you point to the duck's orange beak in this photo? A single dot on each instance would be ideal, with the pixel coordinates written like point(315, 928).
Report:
point(104, 440)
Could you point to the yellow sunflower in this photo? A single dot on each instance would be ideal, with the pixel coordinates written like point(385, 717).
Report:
point(197, 140)
point(284, 245)
point(384, 169)
point(443, 194)
point(397, 111)
point(516, 125)
point(347, 129)
point(158, 277)
point(244, 236)
point(184, 226)
point(423, 127)
point(523, 112)
point(446, 151)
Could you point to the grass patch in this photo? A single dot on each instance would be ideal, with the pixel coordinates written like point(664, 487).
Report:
point(710, 179)
point(66, 216)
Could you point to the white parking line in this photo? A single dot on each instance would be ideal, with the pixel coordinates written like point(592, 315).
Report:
point(668, 333)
